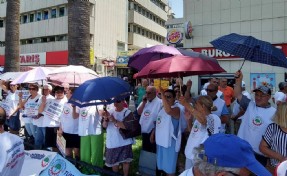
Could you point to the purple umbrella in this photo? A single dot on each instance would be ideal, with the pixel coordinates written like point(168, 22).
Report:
point(145, 55)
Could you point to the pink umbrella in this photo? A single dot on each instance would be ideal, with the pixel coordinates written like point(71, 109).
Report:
point(72, 74)
point(36, 74)
point(145, 55)
point(176, 66)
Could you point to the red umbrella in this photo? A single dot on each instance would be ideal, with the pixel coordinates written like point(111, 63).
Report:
point(176, 66)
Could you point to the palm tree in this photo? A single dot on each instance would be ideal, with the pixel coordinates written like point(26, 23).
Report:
point(12, 40)
point(79, 32)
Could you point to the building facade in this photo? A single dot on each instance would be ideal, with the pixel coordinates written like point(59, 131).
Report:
point(117, 29)
point(264, 19)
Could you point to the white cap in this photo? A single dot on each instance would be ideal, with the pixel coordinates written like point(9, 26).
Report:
point(47, 86)
point(281, 169)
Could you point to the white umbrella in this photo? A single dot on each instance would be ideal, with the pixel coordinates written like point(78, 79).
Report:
point(10, 76)
point(37, 74)
point(72, 74)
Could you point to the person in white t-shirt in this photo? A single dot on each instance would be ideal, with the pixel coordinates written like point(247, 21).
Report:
point(69, 124)
point(148, 110)
point(118, 149)
point(280, 96)
point(257, 117)
point(204, 126)
point(52, 109)
point(11, 152)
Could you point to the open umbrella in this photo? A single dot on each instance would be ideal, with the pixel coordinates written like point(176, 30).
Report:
point(176, 66)
point(36, 74)
point(10, 76)
point(72, 74)
point(190, 53)
point(104, 90)
point(251, 49)
point(145, 55)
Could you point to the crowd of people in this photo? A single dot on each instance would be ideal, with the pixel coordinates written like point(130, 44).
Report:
point(174, 125)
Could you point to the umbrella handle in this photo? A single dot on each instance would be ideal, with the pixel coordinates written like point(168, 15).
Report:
point(240, 68)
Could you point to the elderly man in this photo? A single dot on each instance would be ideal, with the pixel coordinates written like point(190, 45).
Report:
point(280, 96)
point(225, 155)
point(213, 81)
point(11, 151)
point(148, 110)
point(257, 117)
point(222, 110)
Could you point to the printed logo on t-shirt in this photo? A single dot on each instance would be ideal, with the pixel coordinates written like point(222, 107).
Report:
point(46, 161)
point(84, 114)
point(158, 120)
point(257, 121)
point(147, 113)
point(195, 128)
point(57, 167)
point(66, 111)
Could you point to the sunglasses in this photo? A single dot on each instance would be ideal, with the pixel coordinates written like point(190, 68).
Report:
point(168, 96)
point(210, 90)
point(58, 92)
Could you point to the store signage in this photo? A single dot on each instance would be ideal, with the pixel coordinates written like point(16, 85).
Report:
point(174, 36)
point(122, 61)
point(188, 30)
point(33, 59)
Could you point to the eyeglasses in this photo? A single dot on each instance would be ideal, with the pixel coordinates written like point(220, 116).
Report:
point(31, 88)
point(210, 90)
point(168, 96)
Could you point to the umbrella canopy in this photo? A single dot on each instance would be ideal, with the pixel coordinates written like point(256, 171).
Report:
point(72, 74)
point(104, 90)
point(10, 76)
point(196, 54)
point(145, 55)
point(179, 66)
point(34, 75)
point(251, 49)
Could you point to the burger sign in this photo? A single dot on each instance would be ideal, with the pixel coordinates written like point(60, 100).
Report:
point(174, 36)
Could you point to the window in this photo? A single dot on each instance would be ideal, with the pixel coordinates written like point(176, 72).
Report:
point(25, 18)
point(29, 41)
point(44, 39)
point(147, 14)
point(1, 23)
point(136, 7)
point(52, 39)
point(143, 31)
point(140, 9)
point(31, 17)
point(134, 28)
point(61, 11)
point(39, 15)
point(129, 28)
point(143, 12)
point(46, 15)
point(53, 13)
point(138, 30)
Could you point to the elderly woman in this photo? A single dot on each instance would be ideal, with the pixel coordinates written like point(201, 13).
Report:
point(118, 149)
point(168, 132)
point(12, 100)
point(274, 141)
point(205, 125)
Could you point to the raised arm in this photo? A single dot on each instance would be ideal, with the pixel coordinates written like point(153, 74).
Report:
point(237, 86)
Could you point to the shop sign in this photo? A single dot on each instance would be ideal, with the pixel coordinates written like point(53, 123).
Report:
point(33, 59)
point(188, 30)
point(122, 61)
point(174, 36)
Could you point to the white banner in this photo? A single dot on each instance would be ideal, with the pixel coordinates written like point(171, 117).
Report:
point(61, 144)
point(33, 59)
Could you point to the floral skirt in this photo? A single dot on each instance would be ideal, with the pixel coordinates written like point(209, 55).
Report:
point(115, 156)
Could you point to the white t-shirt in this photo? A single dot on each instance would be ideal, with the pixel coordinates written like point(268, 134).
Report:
point(199, 133)
point(52, 119)
point(90, 121)
point(279, 96)
point(149, 114)
point(254, 124)
point(31, 108)
point(39, 122)
point(236, 106)
point(14, 99)
point(188, 172)
point(11, 154)
point(114, 139)
point(68, 123)
point(218, 94)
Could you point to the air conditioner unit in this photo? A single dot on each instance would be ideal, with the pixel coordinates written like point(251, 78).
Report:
point(100, 68)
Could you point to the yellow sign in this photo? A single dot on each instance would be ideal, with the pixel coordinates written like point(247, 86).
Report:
point(92, 56)
point(164, 84)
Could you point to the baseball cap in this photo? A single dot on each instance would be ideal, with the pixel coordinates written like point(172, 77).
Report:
point(228, 150)
point(59, 88)
point(47, 86)
point(263, 89)
point(281, 169)
point(281, 85)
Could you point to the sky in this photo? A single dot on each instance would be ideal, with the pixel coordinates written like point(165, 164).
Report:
point(177, 7)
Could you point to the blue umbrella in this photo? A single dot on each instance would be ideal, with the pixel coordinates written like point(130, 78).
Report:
point(104, 90)
point(251, 49)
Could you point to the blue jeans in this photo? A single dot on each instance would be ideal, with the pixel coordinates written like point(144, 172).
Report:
point(40, 137)
point(31, 129)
